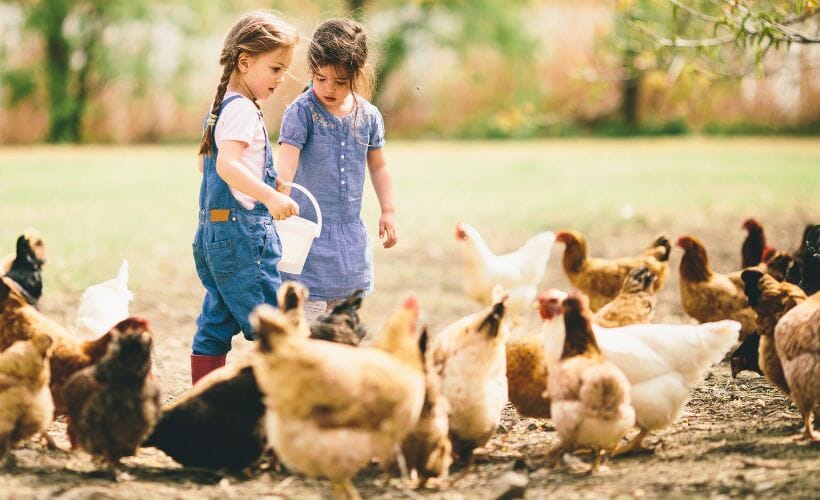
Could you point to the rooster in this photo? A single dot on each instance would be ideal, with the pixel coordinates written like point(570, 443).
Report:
point(114, 404)
point(601, 279)
point(710, 296)
point(104, 305)
point(331, 407)
point(810, 260)
point(519, 272)
point(25, 269)
point(26, 407)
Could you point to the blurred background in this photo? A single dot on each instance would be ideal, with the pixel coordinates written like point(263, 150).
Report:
point(144, 71)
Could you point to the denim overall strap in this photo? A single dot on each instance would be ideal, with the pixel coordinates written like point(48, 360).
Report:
point(213, 192)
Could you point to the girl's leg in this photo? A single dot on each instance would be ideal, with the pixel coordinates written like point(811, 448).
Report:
point(314, 309)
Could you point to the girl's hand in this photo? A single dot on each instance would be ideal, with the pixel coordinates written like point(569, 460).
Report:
point(281, 206)
point(280, 186)
point(387, 229)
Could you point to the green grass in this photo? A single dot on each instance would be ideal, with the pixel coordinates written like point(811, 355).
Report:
point(98, 205)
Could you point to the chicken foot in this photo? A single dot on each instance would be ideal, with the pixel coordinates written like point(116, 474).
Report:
point(635, 445)
point(809, 434)
point(345, 490)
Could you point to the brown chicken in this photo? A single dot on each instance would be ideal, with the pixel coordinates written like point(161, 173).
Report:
point(589, 396)
point(427, 448)
point(797, 340)
point(25, 269)
point(527, 376)
point(754, 246)
point(710, 296)
point(20, 321)
point(26, 407)
point(342, 324)
point(331, 407)
point(114, 404)
point(634, 304)
point(771, 299)
point(601, 279)
point(34, 241)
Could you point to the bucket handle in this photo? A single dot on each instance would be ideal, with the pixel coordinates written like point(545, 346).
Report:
point(312, 200)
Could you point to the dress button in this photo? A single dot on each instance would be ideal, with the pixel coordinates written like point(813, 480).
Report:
point(343, 143)
point(342, 169)
point(343, 157)
point(343, 182)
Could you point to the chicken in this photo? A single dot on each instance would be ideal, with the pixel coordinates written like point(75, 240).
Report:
point(810, 261)
point(710, 296)
point(427, 448)
point(527, 376)
point(104, 305)
point(634, 304)
point(779, 265)
point(601, 279)
point(342, 324)
point(754, 246)
point(114, 404)
point(797, 340)
point(331, 407)
point(663, 363)
point(469, 355)
point(218, 424)
point(746, 357)
point(770, 299)
point(26, 408)
point(519, 272)
point(589, 396)
point(20, 321)
point(25, 269)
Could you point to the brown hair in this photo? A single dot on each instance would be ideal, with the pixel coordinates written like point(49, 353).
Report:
point(256, 33)
point(342, 43)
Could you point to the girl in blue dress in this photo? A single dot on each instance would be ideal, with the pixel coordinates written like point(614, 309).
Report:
point(328, 135)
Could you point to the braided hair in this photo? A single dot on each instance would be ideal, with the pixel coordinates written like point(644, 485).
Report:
point(256, 33)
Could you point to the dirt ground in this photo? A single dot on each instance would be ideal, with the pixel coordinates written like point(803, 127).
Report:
point(733, 441)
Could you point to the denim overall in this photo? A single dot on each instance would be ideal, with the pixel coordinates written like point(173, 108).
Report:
point(236, 252)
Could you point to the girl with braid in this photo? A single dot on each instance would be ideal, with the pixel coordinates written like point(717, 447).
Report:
point(330, 136)
point(236, 247)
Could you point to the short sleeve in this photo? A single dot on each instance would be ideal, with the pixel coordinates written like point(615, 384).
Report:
point(295, 122)
point(238, 121)
point(376, 140)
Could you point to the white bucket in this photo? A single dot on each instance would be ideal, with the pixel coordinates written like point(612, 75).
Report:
point(297, 235)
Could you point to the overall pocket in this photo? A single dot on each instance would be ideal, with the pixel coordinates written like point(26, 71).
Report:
point(221, 258)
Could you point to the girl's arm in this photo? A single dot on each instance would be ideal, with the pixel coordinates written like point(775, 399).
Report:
point(235, 175)
point(286, 166)
point(383, 185)
point(199, 165)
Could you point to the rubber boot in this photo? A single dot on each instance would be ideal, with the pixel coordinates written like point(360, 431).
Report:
point(202, 365)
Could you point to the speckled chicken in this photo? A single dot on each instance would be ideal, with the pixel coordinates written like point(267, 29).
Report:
point(342, 324)
point(589, 396)
point(710, 296)
point(114, 404)
point(470, 357)
point(26, 265)
point(26, 408)
point(602, 279)
point(771, 299)
point(634, 304)
point(797, 340)
point(331, 407)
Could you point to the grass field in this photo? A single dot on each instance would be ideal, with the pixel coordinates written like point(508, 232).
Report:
point(98, 205)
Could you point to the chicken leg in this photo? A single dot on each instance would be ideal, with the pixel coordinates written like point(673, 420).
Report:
point(345, 490)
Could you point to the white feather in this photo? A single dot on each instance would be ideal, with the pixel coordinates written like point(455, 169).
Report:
point(104, 305)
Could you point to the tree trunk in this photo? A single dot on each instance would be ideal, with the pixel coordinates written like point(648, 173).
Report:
point(630, 90)
point(62, 125)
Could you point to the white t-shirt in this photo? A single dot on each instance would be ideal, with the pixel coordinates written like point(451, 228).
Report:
point(241, 121)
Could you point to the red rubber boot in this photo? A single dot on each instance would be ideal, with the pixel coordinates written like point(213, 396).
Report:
point(202, 365)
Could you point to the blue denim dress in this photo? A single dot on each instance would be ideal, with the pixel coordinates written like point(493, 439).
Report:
point(332, 166)
point(236, 252)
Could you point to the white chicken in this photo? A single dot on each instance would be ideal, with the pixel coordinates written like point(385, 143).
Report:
point(663, 363)
point(469, 355)
point(104, 305)
point(519, 272)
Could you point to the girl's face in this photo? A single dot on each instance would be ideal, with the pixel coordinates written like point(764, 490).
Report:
point(331, 86)
point(262, 73)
